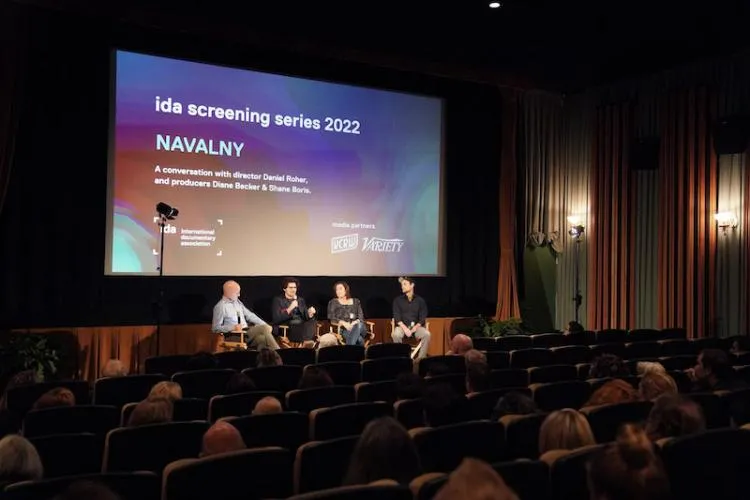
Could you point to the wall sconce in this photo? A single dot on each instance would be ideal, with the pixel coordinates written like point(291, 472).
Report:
point(726, 220)
point(576, 226)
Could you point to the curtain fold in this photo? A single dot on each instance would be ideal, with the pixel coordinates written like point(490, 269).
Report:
point(611, 231)
point(507, 284)
point(13, 55)
point(688, 200)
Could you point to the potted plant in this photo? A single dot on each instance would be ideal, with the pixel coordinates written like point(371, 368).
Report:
point(26, 351)
point(490, 327)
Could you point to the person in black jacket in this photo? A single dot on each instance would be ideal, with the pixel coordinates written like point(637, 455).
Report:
point(410, 317)
point(291, 310)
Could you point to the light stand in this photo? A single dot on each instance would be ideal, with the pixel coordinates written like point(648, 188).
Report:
point(164, 213)
point(577, 233)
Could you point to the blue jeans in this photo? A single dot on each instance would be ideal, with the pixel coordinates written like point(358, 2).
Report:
point(355, 336)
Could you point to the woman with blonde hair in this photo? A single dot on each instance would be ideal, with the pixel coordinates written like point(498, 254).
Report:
point(19, 460)
point(655, 384)
point(628, 469)
point(565, 430)
point(166, 390)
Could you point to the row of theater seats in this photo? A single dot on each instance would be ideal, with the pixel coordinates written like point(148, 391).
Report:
point(705, 465)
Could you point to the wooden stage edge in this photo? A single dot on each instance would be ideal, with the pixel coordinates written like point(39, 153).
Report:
point(133, 344)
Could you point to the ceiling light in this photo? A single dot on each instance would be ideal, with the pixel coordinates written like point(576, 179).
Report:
point(495, 5)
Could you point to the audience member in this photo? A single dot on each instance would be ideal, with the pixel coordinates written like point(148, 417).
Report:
point(654, 384)
point(267, 406)
point(19, 460)
point(87, 490)
point(614, 391)
point(268, 357)
point(409, 385)
point(564, 430)
point(151, 411)
point(608, 366)
point(628, 469)
point(20, 379)
point(475, 480)
point(673, 416)
point(114, 368)
point(460, 344)
point(573, 327)
point(384, 451)
point(313, 377)
point(169, 390)
point(221, 437)
point(55, 398)
point(474, 356)
point(478, 377)
point(714, 372)
point(239, 383)
point(514, 403)
point(327, 340)
point(644, 367)
point(443, 406)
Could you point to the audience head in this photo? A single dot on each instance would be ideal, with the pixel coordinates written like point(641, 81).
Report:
point(341, 289)
point(564, 430)
point(614, 391)
point(474, 356)
point(384, 451)
point(54, 398)
point(409, 385)
point(268, 357)
point(239, 383)
point(202, 361)
point(114, 368)
point(514, 403)
point(221, 437)
point(478, 377)
point(87, 490)
point(460, 344)
point(20, 379)
point(314, 377)
point(442, 405)
point(713, 366)
point(674, 415)
point(166, 390)
point(19, 460)
point(231, 290)
point(608, 366)
point(644, 367)
point(574, 327)
point(654, 384)
point(628, 469)
point(267, 406)
point(151, 411)
point(475, 480)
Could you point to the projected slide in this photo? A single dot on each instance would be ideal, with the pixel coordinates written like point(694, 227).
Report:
point(272, 175)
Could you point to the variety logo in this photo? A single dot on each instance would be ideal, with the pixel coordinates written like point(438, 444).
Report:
point(382, 245)
point(345, 243)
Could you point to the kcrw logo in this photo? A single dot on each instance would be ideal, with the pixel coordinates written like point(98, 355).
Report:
point(344, 243)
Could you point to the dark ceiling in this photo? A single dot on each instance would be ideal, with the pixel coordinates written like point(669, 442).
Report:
point(554, 44)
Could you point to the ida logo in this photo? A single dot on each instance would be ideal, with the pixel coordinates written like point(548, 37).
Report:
point(344, 243)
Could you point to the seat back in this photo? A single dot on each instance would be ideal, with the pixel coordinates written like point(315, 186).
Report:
point(307, 400)
point(346, 420)
point(98, 420)
point(322, 464)
point(441, 449)
point(238, 405)
point(126, 485)
point(203, 384)
point(119, 391)
point(288, 430)
point(55, 452)
point(282, 378)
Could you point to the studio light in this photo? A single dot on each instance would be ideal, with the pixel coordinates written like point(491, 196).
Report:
point(495, 5)
point(166, 211)
point(726, 220)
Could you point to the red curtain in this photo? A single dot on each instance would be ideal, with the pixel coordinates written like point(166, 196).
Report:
point(13, 55)
point(688, 199)
point(611, 232)
point(507, 284)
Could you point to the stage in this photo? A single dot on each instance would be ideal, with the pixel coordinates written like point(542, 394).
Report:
point(133, 344)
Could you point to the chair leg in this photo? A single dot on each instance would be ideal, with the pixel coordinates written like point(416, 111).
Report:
point(415, 350)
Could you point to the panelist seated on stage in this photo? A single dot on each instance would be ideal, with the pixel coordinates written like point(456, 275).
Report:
point(410, 317)
point(345, 312)
point(291, 310)
point(231, 318)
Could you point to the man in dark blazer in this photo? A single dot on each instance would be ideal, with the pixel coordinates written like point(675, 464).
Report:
point(291, 310)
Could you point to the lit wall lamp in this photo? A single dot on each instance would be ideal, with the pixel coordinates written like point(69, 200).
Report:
point(577, 227)
point(726, 220)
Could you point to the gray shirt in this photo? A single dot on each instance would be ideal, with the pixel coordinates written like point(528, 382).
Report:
point(228, 313)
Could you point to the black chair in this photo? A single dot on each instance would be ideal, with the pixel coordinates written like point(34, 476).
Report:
point(126, 485)
point(238, 405)
point(98, 420)
point(167, 365)
point(21, 399)
point(388, 350)
point(203, 384)
point(283, 378)
point(55, 453)
point(119, 391)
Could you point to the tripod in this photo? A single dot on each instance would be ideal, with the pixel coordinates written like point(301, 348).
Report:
point(159, 306)
point(577, 297)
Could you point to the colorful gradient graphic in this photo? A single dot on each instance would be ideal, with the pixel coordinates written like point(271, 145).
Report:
point(376, 173)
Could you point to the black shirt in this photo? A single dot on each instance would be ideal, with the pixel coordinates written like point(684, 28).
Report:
point(408, 311)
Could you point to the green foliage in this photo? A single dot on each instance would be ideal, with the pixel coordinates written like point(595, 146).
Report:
point(19, 352)
point(490, 327)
